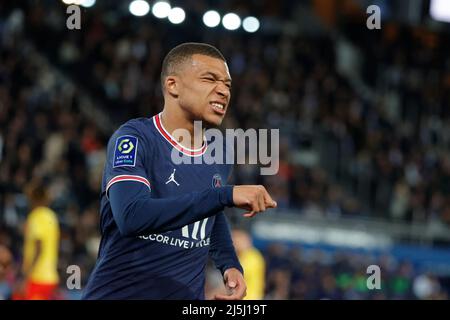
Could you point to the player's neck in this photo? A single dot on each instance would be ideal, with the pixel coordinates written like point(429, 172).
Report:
point(172, 121)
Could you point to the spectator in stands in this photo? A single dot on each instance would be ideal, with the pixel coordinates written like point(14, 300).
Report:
point(5, 273)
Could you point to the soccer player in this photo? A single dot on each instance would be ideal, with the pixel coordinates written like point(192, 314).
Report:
point(159, 221)
point(252, 262)
point(41, 244)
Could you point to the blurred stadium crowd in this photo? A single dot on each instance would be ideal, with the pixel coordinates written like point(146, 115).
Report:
point(384, 156)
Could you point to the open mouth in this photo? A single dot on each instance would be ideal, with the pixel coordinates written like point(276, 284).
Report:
point(218, 107)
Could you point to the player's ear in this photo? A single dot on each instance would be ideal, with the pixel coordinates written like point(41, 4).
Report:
point(172, 85)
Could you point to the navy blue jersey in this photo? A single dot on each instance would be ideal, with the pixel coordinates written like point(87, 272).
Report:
point(159, 220)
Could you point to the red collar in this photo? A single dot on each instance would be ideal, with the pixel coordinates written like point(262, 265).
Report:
point(174, 143)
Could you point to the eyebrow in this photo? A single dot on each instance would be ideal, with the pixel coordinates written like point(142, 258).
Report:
point(215, 76)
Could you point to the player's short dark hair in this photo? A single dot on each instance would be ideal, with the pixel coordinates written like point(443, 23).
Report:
point(37, 192)
point(183, 53)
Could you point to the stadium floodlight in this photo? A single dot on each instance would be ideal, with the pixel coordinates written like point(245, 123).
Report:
point(139, 8)
point(161, 9)
point(211, 18)
point(177, 15)
point(440, 10)
point(250, 24)
point(231, 21)
point(77, 2)
point(87, 3)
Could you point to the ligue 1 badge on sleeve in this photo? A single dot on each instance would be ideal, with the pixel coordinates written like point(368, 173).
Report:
point(217, 181)
point(125, 151)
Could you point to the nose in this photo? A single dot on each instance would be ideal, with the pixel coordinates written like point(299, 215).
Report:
point(223, 90)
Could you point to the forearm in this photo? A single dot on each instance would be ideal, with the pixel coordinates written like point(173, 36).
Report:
point(222, 251)
point(30, 262)
point(138, 213)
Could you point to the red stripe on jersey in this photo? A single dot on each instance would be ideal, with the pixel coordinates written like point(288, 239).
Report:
point(127, 178)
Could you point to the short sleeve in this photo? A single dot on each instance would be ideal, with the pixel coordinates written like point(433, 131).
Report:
point(41, 224)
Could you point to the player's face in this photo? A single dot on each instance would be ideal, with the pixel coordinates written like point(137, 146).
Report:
point(205, 89)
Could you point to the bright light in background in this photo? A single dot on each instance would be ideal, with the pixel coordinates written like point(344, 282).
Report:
point(211, 18)
point(77, 2)
point(139, 8)
point(250, 24)
point(177, 15)
point(231, 21)
point(87, 3)
point(161, 9)
point(440, 10)
point(84, 3)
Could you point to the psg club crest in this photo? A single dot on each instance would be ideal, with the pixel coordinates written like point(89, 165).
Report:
point(217, 181)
